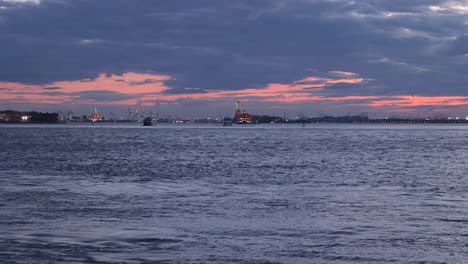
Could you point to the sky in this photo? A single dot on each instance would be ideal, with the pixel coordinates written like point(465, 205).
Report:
point(196, 57)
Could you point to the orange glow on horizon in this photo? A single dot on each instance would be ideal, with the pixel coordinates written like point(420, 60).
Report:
point(411, 101)
point(148, 89)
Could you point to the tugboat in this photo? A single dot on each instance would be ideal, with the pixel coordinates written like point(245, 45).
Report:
point(148, 121)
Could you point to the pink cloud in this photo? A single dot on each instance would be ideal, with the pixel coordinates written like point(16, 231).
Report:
point(411, 101)
point(128, 83)
point(148, 89)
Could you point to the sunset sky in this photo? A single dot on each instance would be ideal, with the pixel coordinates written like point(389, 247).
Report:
point(194, 57)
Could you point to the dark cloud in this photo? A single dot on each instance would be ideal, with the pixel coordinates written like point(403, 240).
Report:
point(142, 82)
point(96, 95)
point(52, 88)
point(106, 96)
point(402, 47)
point(345, 89)
point(459, 46)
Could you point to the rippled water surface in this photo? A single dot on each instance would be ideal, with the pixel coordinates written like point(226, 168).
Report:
point(257, 194)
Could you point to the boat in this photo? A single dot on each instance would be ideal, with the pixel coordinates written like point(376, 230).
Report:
point(95, 117)
point(242, 117)
point(227, 121)
point(148, 121)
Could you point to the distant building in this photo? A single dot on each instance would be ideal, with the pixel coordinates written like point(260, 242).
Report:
point(265, 119)
point(9, 116)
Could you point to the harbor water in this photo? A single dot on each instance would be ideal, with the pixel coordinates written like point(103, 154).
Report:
point(240, 194)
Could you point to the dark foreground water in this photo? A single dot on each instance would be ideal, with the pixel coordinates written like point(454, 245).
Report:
point(259, 194)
